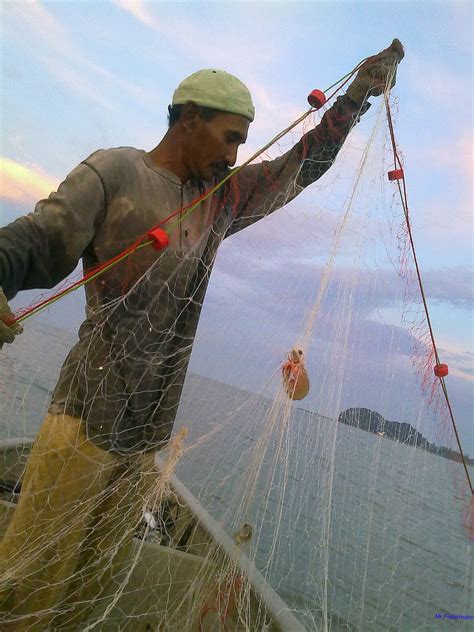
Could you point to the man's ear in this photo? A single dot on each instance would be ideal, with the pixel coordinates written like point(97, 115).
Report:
point(189, 116)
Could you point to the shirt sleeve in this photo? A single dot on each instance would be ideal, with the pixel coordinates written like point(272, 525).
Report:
point(265, 187)
point(42, 248)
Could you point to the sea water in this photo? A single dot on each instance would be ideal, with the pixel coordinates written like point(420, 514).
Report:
point(373, 529)
point(361, 527)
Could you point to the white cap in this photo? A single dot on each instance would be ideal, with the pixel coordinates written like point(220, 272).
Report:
point(216, 89)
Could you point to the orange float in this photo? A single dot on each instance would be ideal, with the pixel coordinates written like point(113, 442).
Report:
point(295, 377)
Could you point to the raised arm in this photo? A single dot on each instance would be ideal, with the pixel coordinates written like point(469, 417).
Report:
point(267, 186)
point(263, 188)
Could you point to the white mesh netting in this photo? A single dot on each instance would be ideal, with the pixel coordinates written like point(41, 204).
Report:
point(263, 512)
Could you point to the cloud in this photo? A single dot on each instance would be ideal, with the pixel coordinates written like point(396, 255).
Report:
point(461, 364)
point(201, 41)
point(445, 225)
point(24, 183)
point(53, 45)
point(276, 262)
point(269, 282)
point(451, 285)
point(140, 12)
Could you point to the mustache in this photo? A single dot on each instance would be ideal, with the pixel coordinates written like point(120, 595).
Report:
point(221, 168)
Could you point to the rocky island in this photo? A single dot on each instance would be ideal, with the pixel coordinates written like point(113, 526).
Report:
point(405, 433)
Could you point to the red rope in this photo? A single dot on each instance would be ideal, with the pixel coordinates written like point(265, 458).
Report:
point(97, 270)
point(404, 199)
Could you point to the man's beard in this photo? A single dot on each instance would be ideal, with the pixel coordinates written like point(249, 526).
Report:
point(221, 171)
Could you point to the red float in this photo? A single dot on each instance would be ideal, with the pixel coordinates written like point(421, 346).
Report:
point(441, 370)
point(316, 99)
point(396, 174)
point(159, 237)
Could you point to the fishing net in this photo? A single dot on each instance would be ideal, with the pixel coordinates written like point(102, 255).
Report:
point(264, 511)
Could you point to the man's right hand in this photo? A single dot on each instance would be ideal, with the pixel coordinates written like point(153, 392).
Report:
point(7, 332)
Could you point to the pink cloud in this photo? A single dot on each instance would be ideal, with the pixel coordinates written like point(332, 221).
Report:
point(24, 183)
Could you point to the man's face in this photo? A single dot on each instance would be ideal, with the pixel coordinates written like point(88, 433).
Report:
point(211, 146)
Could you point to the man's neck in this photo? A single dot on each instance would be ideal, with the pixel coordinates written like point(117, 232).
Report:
point(168, 155)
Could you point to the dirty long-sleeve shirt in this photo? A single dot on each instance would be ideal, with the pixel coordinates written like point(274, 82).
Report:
point(125, 375)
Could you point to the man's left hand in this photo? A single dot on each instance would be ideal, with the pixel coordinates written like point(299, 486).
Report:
point(7, 332)
point(376, 73)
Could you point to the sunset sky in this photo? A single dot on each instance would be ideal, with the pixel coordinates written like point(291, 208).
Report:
point(79, 76)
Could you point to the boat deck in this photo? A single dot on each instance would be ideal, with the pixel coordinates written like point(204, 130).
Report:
point(173, 572)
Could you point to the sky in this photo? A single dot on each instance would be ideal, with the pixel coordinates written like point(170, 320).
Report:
point(79, 76)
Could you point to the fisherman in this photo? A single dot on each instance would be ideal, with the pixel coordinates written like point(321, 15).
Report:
point(91, 467)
